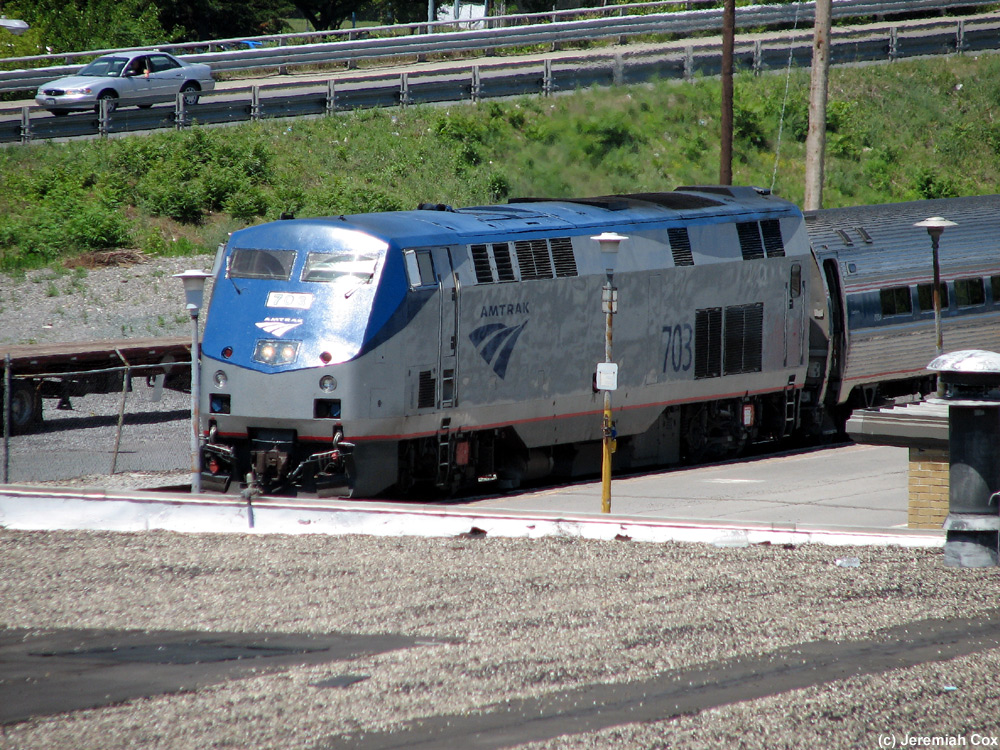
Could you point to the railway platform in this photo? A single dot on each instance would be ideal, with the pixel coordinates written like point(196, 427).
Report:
point(852, 494)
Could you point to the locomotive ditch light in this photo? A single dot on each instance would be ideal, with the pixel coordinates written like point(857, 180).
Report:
point(276, 352)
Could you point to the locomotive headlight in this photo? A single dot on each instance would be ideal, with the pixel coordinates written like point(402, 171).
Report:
point(328, 383)
point(271, 352)
point(220, 378)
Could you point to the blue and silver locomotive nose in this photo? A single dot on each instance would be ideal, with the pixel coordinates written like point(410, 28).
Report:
point(293, 303)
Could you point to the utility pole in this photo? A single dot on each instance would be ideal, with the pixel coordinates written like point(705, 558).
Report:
point(816, 136)
point(728, 43)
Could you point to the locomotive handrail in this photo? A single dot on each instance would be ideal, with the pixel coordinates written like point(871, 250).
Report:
point(444, 37)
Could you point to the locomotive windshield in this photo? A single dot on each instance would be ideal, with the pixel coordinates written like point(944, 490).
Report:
point(261, 264)
point(335, 266)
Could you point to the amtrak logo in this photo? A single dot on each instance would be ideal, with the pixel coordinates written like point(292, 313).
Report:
point(279, 326)
point(495, 343)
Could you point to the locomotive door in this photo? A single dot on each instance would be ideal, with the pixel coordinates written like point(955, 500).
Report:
point(449, 286)
point(794, 317)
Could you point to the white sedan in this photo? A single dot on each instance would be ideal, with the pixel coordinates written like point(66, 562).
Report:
point(141, 78)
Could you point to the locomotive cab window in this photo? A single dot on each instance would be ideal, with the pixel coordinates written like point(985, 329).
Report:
point(247, 263)
point(339, 265)
point(896, 301)
point(420, 268)
point(795, 281)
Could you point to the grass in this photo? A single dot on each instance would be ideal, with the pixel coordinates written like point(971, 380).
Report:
point(896, 132)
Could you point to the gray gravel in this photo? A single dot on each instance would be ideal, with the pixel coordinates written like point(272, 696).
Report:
point(76, 448)
point(128, 301)
point(526, 618)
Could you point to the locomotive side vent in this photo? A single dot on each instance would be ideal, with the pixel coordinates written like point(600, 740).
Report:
point(680, 246)
point(750, 244)
point(533, 259)
point(744, 339)
point(501, 256)
point(426, 390)
point(562, 256)
point(481, 262)
point(771, 229)
point(708, 343)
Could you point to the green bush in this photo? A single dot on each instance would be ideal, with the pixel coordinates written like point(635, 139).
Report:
point(246, 204)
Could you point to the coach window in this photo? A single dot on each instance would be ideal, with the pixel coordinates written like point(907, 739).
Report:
point(896, 301)
point(995, 289)
point(969, 292)
point(420, 268)
point(925, 297)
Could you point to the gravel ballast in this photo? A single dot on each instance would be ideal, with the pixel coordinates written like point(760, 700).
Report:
point(504, 619)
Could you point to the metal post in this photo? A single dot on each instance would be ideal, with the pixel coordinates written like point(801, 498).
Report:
point(104, 118)
point(180, 112)
point(255, 103)
point(331, 96)
point(404, 89)
point(25, 124)
point(607, 429)
point(194, 290)
point(195, 411)
point(938, 340)
point(606, 377)
point(121, 413)
point(935, 225)
point(6, 420)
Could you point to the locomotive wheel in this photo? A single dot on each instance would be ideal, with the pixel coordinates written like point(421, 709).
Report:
point(25, 407)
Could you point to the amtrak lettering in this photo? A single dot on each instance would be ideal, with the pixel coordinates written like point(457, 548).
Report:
point(495, 311)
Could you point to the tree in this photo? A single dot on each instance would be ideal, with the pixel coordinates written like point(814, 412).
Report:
point(331, 14)
point(78, 25)
point(201, 20)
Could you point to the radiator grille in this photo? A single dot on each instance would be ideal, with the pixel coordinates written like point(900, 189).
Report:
point(744, 339)
point(426, 390)
point(708, 343)
point(562, 256)
point(481, 262)
point(680, 246)
point(501, 256)
point(773, 245)
point(750, 244)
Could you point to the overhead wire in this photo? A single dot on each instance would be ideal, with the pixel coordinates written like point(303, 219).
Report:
point(784, 101)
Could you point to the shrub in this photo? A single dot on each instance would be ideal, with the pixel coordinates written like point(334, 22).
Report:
point(246, 204)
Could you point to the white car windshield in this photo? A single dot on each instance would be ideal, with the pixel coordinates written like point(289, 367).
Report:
point(105, 67)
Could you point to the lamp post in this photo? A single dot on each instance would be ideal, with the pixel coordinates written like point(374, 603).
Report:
point(194, 294)
point(935, 226)
point(607, 371)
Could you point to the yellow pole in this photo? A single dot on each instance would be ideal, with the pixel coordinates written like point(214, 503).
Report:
point(608, 442)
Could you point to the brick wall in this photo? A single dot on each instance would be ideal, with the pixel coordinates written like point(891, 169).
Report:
point(928, 506)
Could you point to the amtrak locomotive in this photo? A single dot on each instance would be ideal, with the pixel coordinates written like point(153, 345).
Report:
point(442, 348)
